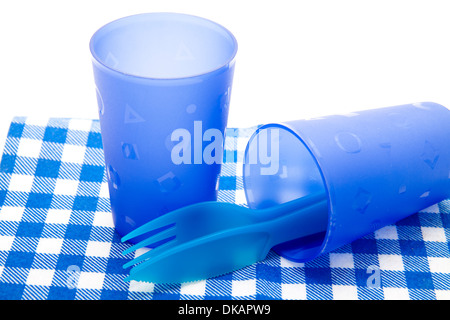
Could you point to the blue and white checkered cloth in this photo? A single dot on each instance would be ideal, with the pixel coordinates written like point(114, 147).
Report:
point(57, 239)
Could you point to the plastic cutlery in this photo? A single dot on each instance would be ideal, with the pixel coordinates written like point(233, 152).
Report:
point(213, 238)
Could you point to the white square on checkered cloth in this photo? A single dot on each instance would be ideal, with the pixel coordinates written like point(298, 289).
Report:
point(29, 148)
point(140, 286)
point(21, 182)
point(40, 277)
point(6, 242)
point(66, 186)
point(90, 280)
point(433, 234)
point(104, 190)
point(60, 216)
point(344, 292)
point(243, 288)
point(98, 249)
point(8, 213)
point(285, 263)
point(439, 265)
point(103, 219)
point(49, 245)
point(341, 260)
point(73, 153)
point(196, 288)
point(435, 207)
point(293, 291)
point(442, 294)
point(240, 197)
point(391, 262)
point(396, 294)
point(388, 232)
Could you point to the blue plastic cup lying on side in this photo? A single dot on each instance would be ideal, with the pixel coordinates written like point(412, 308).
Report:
point(163, 84)
point(376, 167)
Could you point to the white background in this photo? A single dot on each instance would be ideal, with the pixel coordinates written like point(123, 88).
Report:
point(296, 59)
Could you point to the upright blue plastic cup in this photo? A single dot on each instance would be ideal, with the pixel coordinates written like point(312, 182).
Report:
point(163, 85)
point(376, 167)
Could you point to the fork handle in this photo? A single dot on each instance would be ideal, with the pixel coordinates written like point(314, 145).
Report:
point(310, 219)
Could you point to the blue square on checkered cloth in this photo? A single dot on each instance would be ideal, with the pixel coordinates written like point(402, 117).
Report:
point(19, 259)
point(227, 183)
point(445, 218)
point(413, 248)
point(61, 293)
point(8, 162)
point(47, 168)
point(11, 291)
point(419, 280)
point(114, 266)
point(85, 203)
point(2, 196)
point(67, 260)
point(268, 273)
point(55, 217)
point(29, 229)
point(78, 232)
point(412, 220)
point(318, 275)
point(39, 200)
point(113, 295)
point(94, 140)
point(92, 173)
point(16, 129)
point(57, 135)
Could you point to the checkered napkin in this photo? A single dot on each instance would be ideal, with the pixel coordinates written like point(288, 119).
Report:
point(57, 240)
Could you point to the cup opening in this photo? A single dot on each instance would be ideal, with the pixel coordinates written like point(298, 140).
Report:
point(279, 167)
point(163, 46)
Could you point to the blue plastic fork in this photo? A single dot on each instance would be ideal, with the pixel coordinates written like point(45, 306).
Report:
point(209, 239)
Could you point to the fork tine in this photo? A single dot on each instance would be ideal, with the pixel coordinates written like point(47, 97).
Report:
point(162, 221)
point(150, 254)
point(163, 235)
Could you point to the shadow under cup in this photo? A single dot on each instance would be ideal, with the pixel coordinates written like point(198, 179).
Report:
point(163, 84)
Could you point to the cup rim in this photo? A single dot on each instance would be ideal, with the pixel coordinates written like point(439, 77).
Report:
point(97, 59)
point(315, 251)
